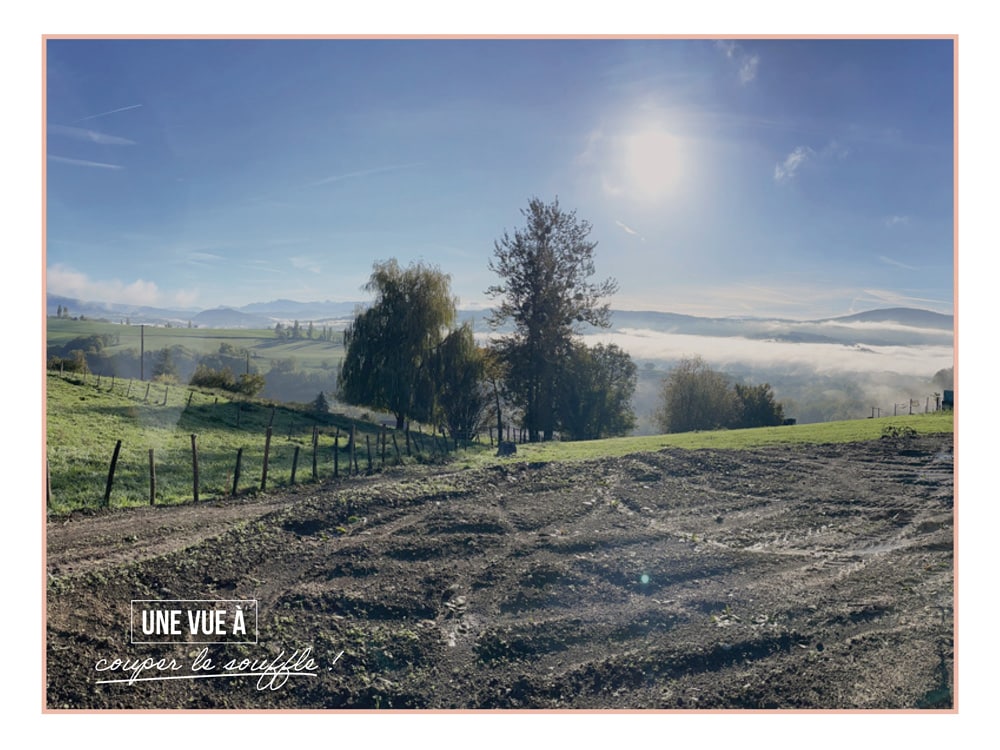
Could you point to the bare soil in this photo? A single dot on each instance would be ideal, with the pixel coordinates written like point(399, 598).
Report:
point(816, 577)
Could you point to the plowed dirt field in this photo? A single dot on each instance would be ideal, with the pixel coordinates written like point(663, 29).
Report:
point(816, 577)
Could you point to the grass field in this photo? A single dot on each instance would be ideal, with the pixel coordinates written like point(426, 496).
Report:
point(264, 346)
point(855, 430)
point(85, 420)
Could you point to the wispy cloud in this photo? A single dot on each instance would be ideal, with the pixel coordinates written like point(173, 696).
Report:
point(199, 258)
point(746, 64)
point(629, 230)
point(305, 263)
point(362, 173)
point(897, 221)
point(786, 170)
point(901, 299)
point(92, 136)
point(83, 162)
point(109, 112)
point(896, 263)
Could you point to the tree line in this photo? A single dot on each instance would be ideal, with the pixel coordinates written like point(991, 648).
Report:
point(696, 397)
point(406, 356)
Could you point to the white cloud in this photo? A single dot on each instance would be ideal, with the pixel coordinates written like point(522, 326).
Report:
point(305, 263)
point(898, 264)
point(898, 299)
point(726, 351)
point(199, 258)
point(92, 136)
point(787, 169)
point(83, 162)
point(628, 229)
point(109, 112)
point(363, 173)
point(748, 68)
point(66, 282)
point(897, 221)
point(746, 64)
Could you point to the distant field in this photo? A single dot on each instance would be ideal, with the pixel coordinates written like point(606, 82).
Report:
point(309, 354)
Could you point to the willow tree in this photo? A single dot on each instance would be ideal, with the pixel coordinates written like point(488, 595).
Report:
point(391, 345)
point(546, 292)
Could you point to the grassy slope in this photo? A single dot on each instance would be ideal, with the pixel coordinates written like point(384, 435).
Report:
point(824, 432)
point(85, 421)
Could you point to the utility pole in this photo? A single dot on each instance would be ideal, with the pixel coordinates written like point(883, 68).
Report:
point(142, 351)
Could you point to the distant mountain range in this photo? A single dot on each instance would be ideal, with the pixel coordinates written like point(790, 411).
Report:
point(883, 327)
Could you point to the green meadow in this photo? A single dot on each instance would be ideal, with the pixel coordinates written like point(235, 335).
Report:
point(86, 416)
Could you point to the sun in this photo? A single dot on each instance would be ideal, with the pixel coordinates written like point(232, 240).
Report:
point(651, 161)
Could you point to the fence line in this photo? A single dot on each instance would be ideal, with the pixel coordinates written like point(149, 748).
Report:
point(165, 479)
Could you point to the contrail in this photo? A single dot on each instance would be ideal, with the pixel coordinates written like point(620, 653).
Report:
point(102, 114)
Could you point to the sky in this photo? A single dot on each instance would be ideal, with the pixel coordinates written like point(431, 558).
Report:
point(803, 281)
point(799, 178)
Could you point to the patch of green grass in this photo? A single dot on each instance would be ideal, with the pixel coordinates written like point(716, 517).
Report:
point(84, 421)
point(850, 431)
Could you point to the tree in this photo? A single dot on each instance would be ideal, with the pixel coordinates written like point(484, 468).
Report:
point(544, 289)
point(596, 393)
point(695, 397)
point(319, 405)
point(944, 378)
point(390, 346)
point(462, 396)
point(251, 384)
point(165, 368)
point(757, 407)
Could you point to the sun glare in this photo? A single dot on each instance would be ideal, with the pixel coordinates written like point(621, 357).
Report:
point(651, 163)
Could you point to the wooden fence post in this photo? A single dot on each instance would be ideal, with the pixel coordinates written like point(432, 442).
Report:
point(152, 479)
point(112, 383)
point(48, 485)
point(267, 453)
point(295, 463)
point(354, 452)
point(166, 392)
point(190, 396)
point(315, 442)
point(336, 455)
point(146, 397)
point(383, 446)
point(128, 391)
point(194, 463)
point(368, 445)
point(111, 473)
point(236, 473)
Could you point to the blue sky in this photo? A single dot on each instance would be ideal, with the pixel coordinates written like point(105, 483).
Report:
point(800, 178)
